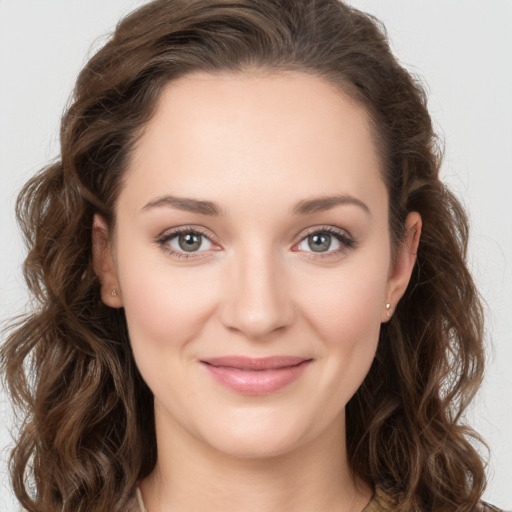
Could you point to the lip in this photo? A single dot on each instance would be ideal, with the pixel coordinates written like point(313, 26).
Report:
point(255, 376)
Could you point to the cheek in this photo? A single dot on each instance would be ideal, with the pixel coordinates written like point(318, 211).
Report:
point(348, 305)
point(164, 306)
point(345, 313)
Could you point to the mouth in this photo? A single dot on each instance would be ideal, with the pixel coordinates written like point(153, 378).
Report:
point(256, 376)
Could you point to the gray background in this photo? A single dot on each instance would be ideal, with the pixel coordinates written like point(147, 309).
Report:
point(461, 48)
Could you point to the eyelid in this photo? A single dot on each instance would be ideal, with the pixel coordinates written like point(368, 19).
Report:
point(325, 229)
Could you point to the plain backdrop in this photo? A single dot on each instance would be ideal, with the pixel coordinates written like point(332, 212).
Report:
point(462, 49)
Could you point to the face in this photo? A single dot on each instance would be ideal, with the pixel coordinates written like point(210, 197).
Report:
point(252, 256)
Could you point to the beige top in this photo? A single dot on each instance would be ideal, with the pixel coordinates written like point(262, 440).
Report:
point(137, 505)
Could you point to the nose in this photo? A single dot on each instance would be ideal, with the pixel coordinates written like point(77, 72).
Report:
point(257, 299)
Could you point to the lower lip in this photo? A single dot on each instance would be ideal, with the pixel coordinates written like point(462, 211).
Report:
point(256, 382)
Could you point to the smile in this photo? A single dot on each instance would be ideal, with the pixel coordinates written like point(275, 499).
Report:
point(256, 376)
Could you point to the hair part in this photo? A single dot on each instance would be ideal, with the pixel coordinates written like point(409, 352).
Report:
point(88, 435)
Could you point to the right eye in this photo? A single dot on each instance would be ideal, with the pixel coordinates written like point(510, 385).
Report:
point(184, 242)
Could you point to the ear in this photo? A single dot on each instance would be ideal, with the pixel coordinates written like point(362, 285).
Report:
point(400, 273)
point(103, 263)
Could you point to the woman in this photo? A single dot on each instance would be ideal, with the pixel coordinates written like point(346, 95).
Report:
point(252, 284)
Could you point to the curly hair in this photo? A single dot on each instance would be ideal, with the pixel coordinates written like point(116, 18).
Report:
point(88, 434)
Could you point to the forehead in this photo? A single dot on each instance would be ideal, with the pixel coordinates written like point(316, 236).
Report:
point(289, 133)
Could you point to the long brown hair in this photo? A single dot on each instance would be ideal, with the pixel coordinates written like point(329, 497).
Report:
point(88, 434)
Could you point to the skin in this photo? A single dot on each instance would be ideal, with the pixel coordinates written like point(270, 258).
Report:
point(255, 145)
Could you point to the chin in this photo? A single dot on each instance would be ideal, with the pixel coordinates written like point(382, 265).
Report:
point(255, 447)
point(258, 439)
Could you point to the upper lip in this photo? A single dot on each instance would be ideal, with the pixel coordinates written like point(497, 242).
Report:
point(253, 363)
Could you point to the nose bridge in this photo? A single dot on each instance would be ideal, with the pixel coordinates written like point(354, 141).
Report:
point(257, 299)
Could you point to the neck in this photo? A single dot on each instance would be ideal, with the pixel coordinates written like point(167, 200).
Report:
point(191, 475)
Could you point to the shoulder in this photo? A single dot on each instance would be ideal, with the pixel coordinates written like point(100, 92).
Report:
point(135, 504)
point(375, 506)
point(132, 505)
point(485, 507)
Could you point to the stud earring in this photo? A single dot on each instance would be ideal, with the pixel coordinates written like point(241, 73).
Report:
point(114, 292)
point(388, 307)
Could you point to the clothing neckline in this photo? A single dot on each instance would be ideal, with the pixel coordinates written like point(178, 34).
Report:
point(371, 507)
point(140, 501)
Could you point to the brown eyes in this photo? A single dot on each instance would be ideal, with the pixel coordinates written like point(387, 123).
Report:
point(190, 243)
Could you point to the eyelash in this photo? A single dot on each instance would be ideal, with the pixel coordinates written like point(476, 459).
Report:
point(342, 236)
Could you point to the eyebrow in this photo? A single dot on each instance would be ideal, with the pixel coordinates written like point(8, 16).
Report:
point(185, 203)
point(320, 204)
point(304, 207)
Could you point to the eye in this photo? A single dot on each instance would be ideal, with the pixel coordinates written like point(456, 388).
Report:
point(189, 242)
point(325, 241)
point(184, 242)
point(320, 242)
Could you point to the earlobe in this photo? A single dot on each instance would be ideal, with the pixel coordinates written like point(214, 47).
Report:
point(103, 263)
point(403, 265)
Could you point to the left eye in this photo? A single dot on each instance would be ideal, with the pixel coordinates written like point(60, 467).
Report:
point(323, 242)
point(188, 241)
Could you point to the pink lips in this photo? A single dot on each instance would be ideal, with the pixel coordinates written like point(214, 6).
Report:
point(256, 376)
